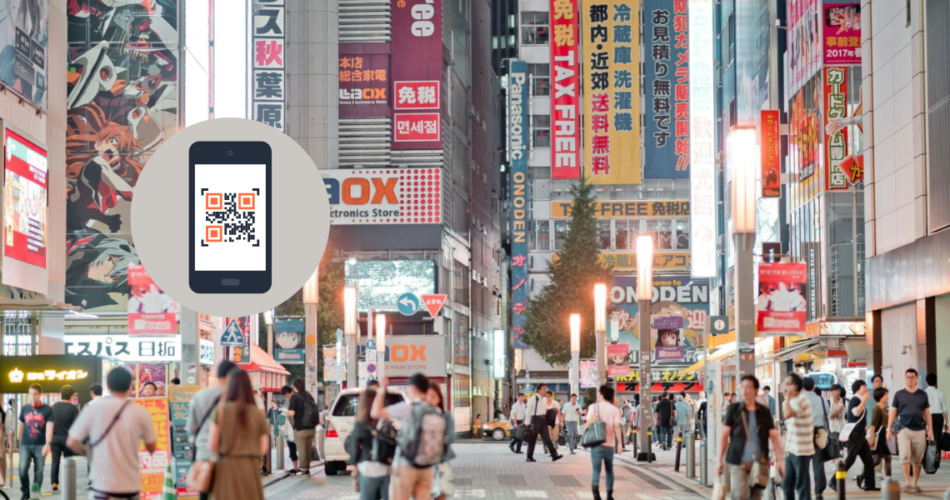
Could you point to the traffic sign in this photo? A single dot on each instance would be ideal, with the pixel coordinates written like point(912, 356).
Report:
point(718, 325)
point(232, 336)
point(434, 303)
point(408, 304)
point(371, 369)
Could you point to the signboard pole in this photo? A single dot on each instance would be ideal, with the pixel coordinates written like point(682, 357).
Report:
point(745, 302)
point(646, 383)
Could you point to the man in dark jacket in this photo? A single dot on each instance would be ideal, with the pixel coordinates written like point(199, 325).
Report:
point(64, 414)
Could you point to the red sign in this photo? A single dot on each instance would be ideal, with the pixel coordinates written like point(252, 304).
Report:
point(781, 303)
point(836, 131)
point(417, 60)
point(434, 303)
point(416, 95)
point(565, 133)
point(771, 149)
point(842, 33)
point(151, 311)
point(24, 206)
point(364, 80)
point(417, 127)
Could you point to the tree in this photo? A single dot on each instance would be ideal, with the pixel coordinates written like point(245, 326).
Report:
point(571, 290)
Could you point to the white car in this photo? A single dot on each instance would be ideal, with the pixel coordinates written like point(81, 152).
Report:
point(340, 424)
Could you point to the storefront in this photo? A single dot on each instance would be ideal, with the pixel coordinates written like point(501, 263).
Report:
point(52, 373)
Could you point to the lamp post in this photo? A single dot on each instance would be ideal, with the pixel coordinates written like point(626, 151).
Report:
point(269, 321)
point(575, 353)
point(351, 329)
point(645, 305)
point(311, 297)
point(380, 345)
point(600, 330)
point(744, 153)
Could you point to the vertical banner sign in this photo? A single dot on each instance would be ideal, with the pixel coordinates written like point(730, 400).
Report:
point(666, 89)
point(151, 311)
point(836, 143)
point(152, 465)
point(179, 398)
point(24, 201)
point(268, 78)
point(242, 354)
point(841, 34)
point(24, 33)
point(702, 140)
point(781, 303)
point(565, 133)
point(611, 90)
point(289, 342)
point(771, 149)
point(416, 74)
point(804, 42)
point(518, 156)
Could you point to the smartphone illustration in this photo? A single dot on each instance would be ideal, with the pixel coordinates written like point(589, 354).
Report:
point(229, 192)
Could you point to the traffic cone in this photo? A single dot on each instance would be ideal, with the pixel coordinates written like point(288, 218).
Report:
point(169, 491)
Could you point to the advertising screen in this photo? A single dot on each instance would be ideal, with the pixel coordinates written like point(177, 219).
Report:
point(381, 282)
point(24, 200)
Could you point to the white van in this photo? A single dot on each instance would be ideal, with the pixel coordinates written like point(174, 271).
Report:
point(340, 424)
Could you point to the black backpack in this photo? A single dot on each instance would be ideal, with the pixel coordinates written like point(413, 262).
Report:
point(384, 443)
point(311, 414)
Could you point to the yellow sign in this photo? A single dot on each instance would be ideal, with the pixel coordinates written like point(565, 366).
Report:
point(611, 59)
point(626, 209)
point(674, 261)
point(17, 376)
point(661, 375)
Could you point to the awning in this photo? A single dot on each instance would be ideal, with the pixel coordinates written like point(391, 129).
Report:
point(263, 362)
point(791, 352)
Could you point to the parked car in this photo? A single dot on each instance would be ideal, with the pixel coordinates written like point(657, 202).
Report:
point(497, 431)
point(340, 424)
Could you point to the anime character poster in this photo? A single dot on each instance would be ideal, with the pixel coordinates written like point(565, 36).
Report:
point(781, 305)
point(618, 360)
point(24, 34)
point(668, 337)
point(151, 311)
point(122, 87)
point(289, 342)
point(588, 374)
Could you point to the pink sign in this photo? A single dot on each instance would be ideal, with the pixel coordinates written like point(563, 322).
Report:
point(416, 65)
point(841, 33)
point(417, 127)
point(618, 360)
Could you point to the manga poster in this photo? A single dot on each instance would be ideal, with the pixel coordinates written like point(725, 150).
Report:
point(122, 103)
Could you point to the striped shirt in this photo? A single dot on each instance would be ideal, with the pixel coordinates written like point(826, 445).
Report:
point(800, 429)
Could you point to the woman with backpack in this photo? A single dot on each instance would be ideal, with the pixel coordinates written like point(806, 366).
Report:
point(238, 438)
point(442, 480)
point(372, 476)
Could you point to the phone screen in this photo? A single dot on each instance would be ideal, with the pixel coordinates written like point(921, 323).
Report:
point(230, 217)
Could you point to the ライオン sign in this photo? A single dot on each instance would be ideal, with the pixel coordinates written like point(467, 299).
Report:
point(384, 196)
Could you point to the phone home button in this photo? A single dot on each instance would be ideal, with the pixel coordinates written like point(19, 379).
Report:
point(230, 282)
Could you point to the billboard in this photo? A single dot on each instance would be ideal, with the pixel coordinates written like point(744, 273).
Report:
point(384, 196)
point(53, 372)
point(611, 91)
point(771, 142)
point(518, 157)
point(841, 33)
point(289, 347)
point(24, 34)
point(151, 311)
point(364, 81)
point(837, 144)
point(132, 348)
point(268, 80)
point(565, 112)
point(752, 60)
point(407, 355)
point(804, 42)
point(416, 59)
point(666, 89)
point(627, 261)
point(24, 201)
point(781, 304)
point(381, 282)
point(618, 360)
point(122, 103)
point(702, 140)
point(626, 209)
point(588, 378)
point(804, 127)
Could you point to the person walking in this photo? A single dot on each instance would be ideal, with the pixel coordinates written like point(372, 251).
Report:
point(37, 420)
point(238, 439)
point(701, 412)
point(684, 415)
point(837, 410)
point(572, 415)
point(857, 443)
point(516, 422)
point(306, 417)
point(110, 433)
point(745, 443)
point(64, 415)
point(938, 407)
point(626, 420)
point(287, 429)
point(799, 439)
point(911, 408)
point(819, 414)
point(767, 391)
point(372, 476)
point(663, 420)
point(878, 432)
point(604, 411)
point(272, 414)
point(442, 485)
point(537, 422)
point(877, 381)
point(551, 416)
point(199, 414)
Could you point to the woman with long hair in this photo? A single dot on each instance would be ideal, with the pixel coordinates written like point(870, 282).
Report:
point(442, 485)
point(238, 438)
point(372, 476)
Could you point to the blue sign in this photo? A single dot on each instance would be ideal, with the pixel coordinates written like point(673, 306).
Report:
point(233, 336)
point(289, 326)
point(371, 368)
point(518, 213)
point(290, 356)
point(371, 344)
point(408, 304)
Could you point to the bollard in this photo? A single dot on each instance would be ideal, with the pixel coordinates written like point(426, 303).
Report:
point(280, 452)
point(679, 449)
point(890, 490)
point(69, 479)
point(650, 451)
point(841, 475)
point(703, 464)
point(691, 455)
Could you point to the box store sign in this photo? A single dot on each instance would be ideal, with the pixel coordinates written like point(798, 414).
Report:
point(128, 348)
point(384, 196)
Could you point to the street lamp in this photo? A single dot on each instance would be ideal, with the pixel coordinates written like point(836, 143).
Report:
point(575, 353)
point(645, 304)
point(600, 330)
point(351, 330)
point(380, 345)
point(311, 298)
point(269, 321)
point(743, 157)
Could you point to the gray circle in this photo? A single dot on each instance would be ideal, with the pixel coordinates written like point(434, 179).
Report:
point(300, 217)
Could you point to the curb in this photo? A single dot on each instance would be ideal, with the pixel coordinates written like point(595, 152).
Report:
point(276, 478)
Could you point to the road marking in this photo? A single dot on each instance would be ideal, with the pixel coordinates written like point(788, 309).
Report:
point(584, 494)
point(468, 492)
point(531, 494)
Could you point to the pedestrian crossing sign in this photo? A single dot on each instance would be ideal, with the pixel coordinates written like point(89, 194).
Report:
point(232, 336)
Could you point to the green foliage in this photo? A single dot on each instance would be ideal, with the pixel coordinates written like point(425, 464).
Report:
point(571, 289)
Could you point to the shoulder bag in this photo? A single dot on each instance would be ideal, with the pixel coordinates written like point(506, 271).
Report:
point(92, 445)
point(201, 474)
point(596, 432)
point(759, 474)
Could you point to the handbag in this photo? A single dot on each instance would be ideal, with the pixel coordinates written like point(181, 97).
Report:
point(201, 474)
point(759, 473)
point(596, 432)
point(945, 441)
point(845, 435)
point(931, 458)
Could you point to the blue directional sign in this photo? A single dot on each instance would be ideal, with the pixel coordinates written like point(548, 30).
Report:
point(408, 304)
point(233, 336)
point(371, 344)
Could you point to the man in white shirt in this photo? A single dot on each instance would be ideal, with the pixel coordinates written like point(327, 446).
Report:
point(799, 439)
point(572, 413)
point(536, 418)
point(517, 424)
point(938, 406)
point(114, 428)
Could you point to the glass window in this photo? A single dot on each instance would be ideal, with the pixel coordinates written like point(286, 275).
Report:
point(682, 234)
point(664, 234)
point(534, 28)
point(539, 238)
point(541, 131)
point(560, 233)
point(603, 234)
point(622, 237)
point(540, 75)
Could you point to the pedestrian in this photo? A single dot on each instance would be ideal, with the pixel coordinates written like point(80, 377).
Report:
point(745, 443)
point(626, 419)
point(287, 428)
point(442, 485)
point(877, 381)
point(238, 439)
point(857, 443)
point(372, 475)
point(516, 422)
point(684, 415)
point(95, 393)
point(911, 408)
point(306, 417)
point(4, 413)
point(604, 411)
point(273, 413)
point(37, 420)
point(799, 439)
point(836, 411)
point(477, 431)
point(767, 390)
point(109, 433)
point(149, 390)
point(64, 415)
point(664, 419)
point(537, 424)
point(938, 407)
point(819, 413)
point(572, 414)
point(550, 417)
point(878, 432)
point(202, 404)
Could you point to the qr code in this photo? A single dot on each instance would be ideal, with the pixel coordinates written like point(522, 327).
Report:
point(230, 217)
